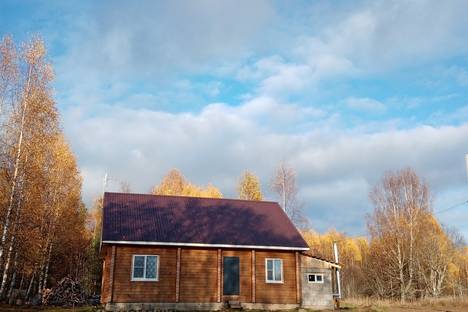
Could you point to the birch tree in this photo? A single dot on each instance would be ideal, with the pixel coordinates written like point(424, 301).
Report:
point(401, 203)
point(249, 187)
point(40, 185)
point(174, 183)
point(36, 75)
point(284, 185)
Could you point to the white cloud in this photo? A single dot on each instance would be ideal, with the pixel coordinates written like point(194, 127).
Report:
point(382, 34)
point(130, 69)
point(369, 38)
point(335, 167)
point(153, 39)
point(365, 105)
point(275, 76)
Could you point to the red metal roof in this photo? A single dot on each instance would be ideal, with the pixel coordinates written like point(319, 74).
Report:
point(192, 220)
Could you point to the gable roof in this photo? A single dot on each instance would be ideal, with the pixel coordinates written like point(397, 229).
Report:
point(192, 221)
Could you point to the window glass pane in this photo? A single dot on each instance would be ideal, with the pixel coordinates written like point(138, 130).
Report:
point(319, 278)
point(269, 275)
point(150, 267)
point(277, 275)
point(139, 261)
point(138, 272)
point(277, 270)
point(269, 264)
point(311, 278)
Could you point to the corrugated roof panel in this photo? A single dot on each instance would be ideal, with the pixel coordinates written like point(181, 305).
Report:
point(193, 220)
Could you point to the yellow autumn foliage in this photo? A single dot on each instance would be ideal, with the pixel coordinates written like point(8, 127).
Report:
point(249, 187)
point(174, 183)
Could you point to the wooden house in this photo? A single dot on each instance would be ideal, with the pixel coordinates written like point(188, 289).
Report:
point(187, 253)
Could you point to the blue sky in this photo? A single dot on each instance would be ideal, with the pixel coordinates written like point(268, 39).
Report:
point(342, 90)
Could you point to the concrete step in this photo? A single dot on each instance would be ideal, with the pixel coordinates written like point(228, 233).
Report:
point(234, 304)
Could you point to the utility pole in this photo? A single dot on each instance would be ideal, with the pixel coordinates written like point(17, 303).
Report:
point(338, 281)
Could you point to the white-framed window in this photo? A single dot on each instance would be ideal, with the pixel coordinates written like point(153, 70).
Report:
point(145, 268)
point(273, 270)
point(315, 278)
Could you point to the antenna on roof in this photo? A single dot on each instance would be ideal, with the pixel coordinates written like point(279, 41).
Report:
point(466, 164)
point(104, 185)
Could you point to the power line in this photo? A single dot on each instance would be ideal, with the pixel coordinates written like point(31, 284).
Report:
point(451, 207)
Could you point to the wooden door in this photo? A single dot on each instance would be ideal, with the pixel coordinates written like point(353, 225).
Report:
point(231, 278)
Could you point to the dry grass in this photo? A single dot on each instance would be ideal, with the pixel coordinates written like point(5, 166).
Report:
point(455, 304)
point(364, 304)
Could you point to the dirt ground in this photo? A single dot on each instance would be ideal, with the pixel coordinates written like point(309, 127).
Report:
point(8, 308)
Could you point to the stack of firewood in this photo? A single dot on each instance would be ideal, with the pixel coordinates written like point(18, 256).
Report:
point(66, 293)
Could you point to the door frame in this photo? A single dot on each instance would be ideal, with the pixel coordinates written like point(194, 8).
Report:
point(222, 278)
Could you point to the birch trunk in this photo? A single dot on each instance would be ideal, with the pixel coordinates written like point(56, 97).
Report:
point(17, 162)
point(31, 282)
point(12, 245)
point(10, 250)
point(401, 275)
point(13, 278)
point(47, 267)
point(41, 277)
point(6, 271)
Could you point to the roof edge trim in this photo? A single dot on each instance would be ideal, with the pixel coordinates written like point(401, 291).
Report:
point(203, 245)
point(333, 264)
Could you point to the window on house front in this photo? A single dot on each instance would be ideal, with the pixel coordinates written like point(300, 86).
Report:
point(315, 278)
point(145, 268)
point(274, 270)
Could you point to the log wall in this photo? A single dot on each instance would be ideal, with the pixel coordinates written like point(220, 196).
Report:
point(126, 290)
point(276, 292)
point(200, 276)
point(105, 285)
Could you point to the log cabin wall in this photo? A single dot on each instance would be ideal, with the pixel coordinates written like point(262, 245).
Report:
point(198, 275)
point(105, 283)
point(126, 290)
point(198, 278)
point(276, 292)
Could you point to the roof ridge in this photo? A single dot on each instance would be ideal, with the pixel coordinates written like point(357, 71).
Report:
point(198, 197)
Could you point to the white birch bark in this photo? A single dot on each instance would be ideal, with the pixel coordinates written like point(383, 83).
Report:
point(6, 225)
point(13, 278)
point(31, 282)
